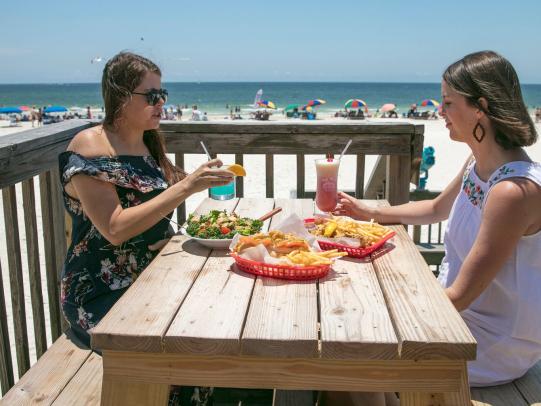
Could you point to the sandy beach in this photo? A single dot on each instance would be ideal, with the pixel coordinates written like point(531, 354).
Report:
point(449, 158)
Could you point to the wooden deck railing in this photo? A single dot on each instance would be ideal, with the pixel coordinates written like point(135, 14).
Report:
point(30, 159)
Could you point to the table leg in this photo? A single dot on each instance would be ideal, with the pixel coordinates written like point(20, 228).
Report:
point(460, 398)
point(116, 391)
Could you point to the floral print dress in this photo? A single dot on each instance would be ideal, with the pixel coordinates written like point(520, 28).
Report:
point(96, 273)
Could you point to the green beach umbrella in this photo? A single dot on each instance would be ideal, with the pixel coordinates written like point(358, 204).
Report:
point(291, 107)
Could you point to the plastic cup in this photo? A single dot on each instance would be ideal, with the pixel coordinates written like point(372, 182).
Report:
point(224, 192)
point(327, 183)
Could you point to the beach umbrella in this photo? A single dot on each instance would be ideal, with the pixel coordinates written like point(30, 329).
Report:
point(291, 107)
point(24, 108)
point(315, 102)
point(55, 109)
point(387, 107)
point(10, 110)
point(355, 104)
point(430, 103)
point(266, 103)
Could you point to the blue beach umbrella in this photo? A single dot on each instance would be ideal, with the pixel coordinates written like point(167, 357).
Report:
point(55, 109)
point(10, 110)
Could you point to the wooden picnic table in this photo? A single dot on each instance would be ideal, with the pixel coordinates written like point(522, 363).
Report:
point(375, 324)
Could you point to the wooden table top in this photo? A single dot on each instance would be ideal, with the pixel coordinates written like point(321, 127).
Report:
point(191, 300)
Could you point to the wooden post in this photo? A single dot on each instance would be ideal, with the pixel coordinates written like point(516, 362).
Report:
point(50, 253)
point(34, 271)
point(269, 175)
point(359, 179)
point(181, 210)
point(16, 278)
point(398, 179)
point(300, 176)
point(6, 365)
point(239, 181)
point(60, 245)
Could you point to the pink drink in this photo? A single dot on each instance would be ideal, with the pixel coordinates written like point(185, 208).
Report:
point(327, 179)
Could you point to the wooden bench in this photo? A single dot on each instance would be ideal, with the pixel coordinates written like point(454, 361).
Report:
point(525, 391)
point(66, 374)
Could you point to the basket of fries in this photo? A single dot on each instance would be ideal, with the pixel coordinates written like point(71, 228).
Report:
point(299, 272)
point(359, 239)
point(289, 252)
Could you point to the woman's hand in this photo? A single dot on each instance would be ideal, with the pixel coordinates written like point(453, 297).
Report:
point(349, 206)
point(208, 175)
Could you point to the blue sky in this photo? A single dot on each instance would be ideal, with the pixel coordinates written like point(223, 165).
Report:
point(386, 41)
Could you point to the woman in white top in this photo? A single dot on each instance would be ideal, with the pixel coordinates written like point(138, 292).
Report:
point(492, 266)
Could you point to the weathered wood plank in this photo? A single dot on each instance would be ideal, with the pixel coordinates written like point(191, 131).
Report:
point(181, 210)
point(355, 323)
point(397, 179)
point(282, 373)
point(138, 321)
point(426, 323)
point(289, 143)
point(287, 127)
point(216, 327)
point(117, 391)
point(530, 384)
point(282, 319)
point(47, 217)
point(42, 384)
point(269, 175)
point(444, 398)
point(239, 180)
point(502, 395)
point(28, 153)
point(359, 177)
point(34, 272)
point(6, 365)
point(85, 387)
point(16, 278)
point(300, 176)
point(60, 236)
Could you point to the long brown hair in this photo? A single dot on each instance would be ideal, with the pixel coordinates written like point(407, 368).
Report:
point(121, 75)
point(489, 75)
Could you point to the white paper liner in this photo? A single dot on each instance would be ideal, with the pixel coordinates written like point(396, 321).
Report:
point(290, 224)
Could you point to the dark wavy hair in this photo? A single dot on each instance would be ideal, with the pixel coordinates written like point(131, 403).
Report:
point(121, 75)
point(489, 75)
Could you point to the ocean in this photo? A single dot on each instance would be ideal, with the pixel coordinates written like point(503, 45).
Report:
point(218, 98)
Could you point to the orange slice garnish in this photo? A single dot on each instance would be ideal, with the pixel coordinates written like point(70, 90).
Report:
point(237, 169)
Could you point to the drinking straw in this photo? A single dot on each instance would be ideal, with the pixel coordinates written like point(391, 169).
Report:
point(345, 149)
point(207, 151)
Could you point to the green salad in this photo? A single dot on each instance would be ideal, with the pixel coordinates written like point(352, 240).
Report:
point(220, 225)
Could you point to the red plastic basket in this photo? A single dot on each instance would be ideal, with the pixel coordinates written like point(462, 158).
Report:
point(355, 252)
point(298, 273)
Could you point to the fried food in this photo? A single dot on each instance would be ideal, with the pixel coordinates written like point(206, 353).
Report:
point(336, 227)
point(289, 246)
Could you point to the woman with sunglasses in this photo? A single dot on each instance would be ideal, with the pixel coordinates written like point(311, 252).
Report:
point(118, 185)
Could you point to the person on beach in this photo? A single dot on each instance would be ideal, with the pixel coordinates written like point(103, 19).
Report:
point(120, 190)
point(492, 266)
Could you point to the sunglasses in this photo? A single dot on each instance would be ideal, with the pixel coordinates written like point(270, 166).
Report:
point(154, 95)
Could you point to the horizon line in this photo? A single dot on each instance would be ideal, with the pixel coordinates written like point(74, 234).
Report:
point(247, 81)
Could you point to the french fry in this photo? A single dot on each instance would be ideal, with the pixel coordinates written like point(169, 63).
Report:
point(367, 233)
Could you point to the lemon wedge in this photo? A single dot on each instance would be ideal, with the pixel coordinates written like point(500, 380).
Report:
point(237, 169)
